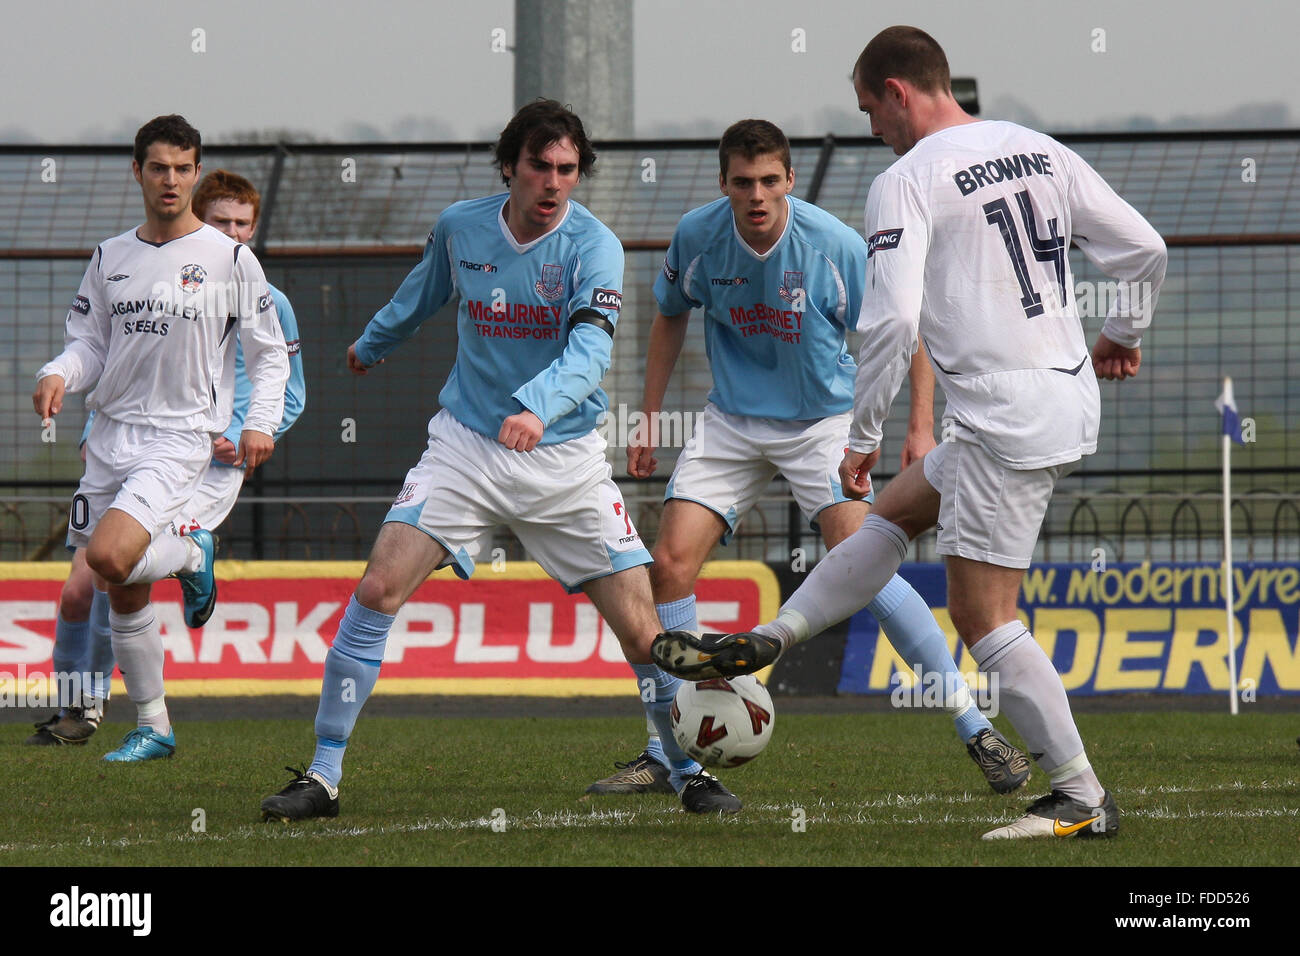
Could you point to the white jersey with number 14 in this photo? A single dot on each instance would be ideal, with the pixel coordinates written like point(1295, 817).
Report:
point(968, 240)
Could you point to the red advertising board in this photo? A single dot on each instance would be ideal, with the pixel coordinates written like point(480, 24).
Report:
point(512, 630)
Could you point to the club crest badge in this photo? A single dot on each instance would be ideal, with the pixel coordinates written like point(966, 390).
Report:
point(790, 288)
point(551, 285)
point(192, 277)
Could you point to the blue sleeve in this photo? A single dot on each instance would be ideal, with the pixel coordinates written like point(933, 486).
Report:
point(853, 262)
point(426, 290)
point(593, 312)
point(295, 391)
point(85, 432)
point(243, 395)
point(670, 294)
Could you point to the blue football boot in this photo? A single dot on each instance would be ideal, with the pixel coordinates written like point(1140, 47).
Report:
point(200, 587)
point(143, 743)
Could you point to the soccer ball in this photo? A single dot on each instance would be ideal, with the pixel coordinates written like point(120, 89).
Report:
point(723, 723)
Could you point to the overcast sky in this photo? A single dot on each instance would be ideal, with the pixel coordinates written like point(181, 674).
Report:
point(78, 71)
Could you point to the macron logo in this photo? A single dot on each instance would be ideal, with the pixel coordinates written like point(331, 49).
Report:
point(75, 909)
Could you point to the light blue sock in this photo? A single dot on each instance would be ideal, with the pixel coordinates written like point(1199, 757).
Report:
point(678, 615)
point(657, 690)
point(351, 669)
point(70, 642)
point(673, 616)
point(910, 626)
point(99, 660)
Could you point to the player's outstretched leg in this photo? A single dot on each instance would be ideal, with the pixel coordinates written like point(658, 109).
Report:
point(351, 670)
point(623, 599)
point(911, 628)
point(648, 772)
point(841, 584)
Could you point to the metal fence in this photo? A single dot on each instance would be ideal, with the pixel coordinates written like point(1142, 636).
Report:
point(342, 224)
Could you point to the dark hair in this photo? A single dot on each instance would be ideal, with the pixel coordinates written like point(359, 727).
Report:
point(752, 138)
point(223, 184)
point(537, 126)
point(903, 53)
point(172, 130)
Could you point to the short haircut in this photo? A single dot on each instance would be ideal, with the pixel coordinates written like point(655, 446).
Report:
point(223, 184)
point(172, 130)
point(752, 138)
point(903, 53)
point(538, 126)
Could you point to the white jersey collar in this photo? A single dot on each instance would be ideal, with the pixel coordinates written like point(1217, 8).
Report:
point(789, 222)
point(525, 246)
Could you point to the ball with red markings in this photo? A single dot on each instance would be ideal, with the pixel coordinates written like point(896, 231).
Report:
point(723, 723)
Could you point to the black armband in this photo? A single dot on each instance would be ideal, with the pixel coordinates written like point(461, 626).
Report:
point(592, 317)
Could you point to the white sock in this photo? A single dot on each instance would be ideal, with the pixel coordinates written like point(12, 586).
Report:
point(153, 714)
point(138, 647)
point(843, 583)
point(1032, 696)
point(164, 557)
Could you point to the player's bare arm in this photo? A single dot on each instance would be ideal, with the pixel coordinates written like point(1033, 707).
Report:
point(1115, 362)
point(521, 432)
point(48, 397)
point(667, 334)
point(920, 425)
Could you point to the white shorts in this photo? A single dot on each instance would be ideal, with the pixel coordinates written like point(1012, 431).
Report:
point(730, 459)
point(150, 473)
point(213, 501)
point(987, 511)
point(560, 501)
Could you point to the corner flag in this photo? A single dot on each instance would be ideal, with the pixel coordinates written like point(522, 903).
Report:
point(1226, 403)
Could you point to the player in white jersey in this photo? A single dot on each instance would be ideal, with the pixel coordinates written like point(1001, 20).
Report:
point(82, 639)
point(153, 331)
point(780, 281)
point(968, 233)
point(539, 280)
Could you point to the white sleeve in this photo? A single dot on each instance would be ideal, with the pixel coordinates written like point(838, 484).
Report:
point(1122, 244)
point(86, 335)
point(266, 357)
point(898, 240)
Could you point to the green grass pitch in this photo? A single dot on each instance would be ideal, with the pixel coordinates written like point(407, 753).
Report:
point(849, 789)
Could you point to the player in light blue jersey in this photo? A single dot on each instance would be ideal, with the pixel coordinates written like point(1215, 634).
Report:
point(780, 282)
point(82, 637)
point(540, 282)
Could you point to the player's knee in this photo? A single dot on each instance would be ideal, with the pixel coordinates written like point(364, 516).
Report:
point(74, 600)
point(972, 623)
point(108, 563)
point(672, 576)
point(379, 592)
